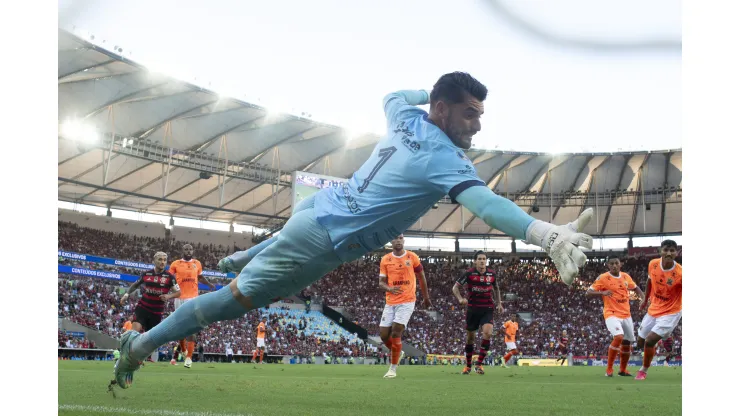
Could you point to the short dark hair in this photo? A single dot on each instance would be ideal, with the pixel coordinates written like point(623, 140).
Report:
point(453, 86)
point(613, 256)
point(669, 243)
point(478, 253)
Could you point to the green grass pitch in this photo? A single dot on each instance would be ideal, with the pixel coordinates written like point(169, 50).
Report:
point(273, 389)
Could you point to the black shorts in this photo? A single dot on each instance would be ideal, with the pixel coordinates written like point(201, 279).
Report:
point(146, 318)
point(477, 317)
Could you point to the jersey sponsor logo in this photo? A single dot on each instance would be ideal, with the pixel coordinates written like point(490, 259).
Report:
point(350, 200)
point(412, 145)
point(662, 298)
point(468, 169)
point(481, 289)
point(401, 282)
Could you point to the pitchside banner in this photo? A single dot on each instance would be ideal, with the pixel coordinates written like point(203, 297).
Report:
point(540, 362)
point(132, 264)
point(110, 275)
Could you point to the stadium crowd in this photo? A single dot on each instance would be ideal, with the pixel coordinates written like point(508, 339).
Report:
point(528, 287)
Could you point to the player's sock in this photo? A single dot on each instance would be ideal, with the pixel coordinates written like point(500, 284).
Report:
point(508, 355)
point(624, 358)
point(388, 343)
point(469, 355)
point(191, 348)
point(396, 347)
point(484, 346)
point(183, 346)
point(647, 358)
point(262, 355)
point(613, 351)
point(254, 356)
point(188, 319)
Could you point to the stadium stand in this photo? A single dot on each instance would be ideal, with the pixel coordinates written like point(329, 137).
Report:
point(528, 286)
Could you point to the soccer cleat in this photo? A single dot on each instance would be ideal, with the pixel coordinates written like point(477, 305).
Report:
point(625, 374)
point(466, 370)
point(188, 362)
point(610, 372)
point(390, 374)
point(503, 363)
point(126, 365)
point(641, 375)
point(173, 362)
point(479, 369)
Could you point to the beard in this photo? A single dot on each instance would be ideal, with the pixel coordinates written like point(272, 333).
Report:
point(187, 258)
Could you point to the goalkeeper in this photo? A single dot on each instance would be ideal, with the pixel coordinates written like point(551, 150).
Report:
point(420, 160)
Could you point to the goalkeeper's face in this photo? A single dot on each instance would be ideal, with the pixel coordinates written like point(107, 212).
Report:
point(462, 121)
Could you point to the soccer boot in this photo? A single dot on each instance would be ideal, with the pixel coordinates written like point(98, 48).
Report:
point(173, 362)
point(609, 372)
point(641, 375)
point(390, 374)
point(479, 369)
point(188, 362)
point(126, 365)
point(624, 374)
point(466, 370)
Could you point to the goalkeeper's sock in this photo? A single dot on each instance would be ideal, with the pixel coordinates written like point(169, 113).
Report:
point(188, 319)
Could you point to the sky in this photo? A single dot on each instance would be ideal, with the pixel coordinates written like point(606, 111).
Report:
point(336, 60)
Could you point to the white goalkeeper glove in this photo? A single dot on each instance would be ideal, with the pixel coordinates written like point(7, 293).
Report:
point(562, 242)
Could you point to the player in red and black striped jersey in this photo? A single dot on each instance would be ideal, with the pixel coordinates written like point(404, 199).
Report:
point(480, 284)
point(156, 287)
point(563, 347)
point(668, 347)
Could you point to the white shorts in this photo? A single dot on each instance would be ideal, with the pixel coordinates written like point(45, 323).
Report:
point(399, 314)
point(621, 326)
point(662, 325)
point(179, 302)
point(260, 342)
point(510, 346)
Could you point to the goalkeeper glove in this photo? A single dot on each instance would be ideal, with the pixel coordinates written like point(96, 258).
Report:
point(562, 242)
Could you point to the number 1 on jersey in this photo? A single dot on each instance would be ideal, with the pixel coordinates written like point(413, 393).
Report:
point(384, 154)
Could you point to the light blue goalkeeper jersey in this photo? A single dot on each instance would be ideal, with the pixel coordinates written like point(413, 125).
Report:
point(410, 169)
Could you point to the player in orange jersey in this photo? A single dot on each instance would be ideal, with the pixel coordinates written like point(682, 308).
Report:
point(664, 292)
point(261, 330)
point(188, 271)
point(127, 326)
point(613, 287)
point(509, 329)
point(398, 273)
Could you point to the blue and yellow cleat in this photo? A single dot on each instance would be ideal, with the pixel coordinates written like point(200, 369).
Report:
point(123, 372)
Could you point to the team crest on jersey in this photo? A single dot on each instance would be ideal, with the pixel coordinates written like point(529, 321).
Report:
point(489, 279)
point(670, 282)
point(162, 280)
point(408, 263)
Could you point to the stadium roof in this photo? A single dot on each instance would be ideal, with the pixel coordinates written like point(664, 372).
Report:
point(153, 113)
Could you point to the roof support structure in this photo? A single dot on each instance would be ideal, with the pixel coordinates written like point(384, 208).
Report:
point(665, 182)
point(573, 184)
